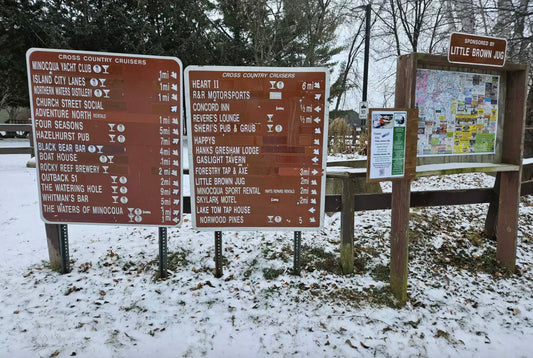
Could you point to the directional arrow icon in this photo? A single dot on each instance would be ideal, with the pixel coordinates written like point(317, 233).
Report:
point(314, 172)
point(317, 96)
point(315, 159)
point(174, 87)
point(317, 120)
point(318, 108)
point(174, 75)
point(175, 202)
point(175, 183)
point(174, 97)
point(312, 210)
point(175, 212)
point(175, 220)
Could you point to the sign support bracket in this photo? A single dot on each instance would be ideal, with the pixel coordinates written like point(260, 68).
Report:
point(163, 253)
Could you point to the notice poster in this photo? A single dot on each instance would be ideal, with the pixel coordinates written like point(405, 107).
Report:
point(387, 144)
point(458, 112)
point(257, 146)
point(107, 130)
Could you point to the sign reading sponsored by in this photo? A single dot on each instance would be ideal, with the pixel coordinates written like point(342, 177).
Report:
point(107, 130)
point(257, 139)
point(478, 50)
point(392, 144)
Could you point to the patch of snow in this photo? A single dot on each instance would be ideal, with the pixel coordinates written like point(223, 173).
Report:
point(111, 304)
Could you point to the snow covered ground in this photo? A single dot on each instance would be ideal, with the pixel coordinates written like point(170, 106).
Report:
point(112, 305)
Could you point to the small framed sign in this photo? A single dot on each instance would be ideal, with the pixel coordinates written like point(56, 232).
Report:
point(391, 144)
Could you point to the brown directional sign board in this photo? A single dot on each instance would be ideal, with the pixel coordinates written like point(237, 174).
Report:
point(257, 146)
point(107, 130)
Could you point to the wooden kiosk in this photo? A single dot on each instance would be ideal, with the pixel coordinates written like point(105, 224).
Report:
point(505, 159)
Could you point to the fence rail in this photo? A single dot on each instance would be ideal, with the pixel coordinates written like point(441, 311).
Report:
point(13, 128)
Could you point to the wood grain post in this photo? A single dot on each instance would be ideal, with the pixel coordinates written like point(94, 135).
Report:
point(492, 213)
point(512, 152)
point(53, 238)
point(347, 225)
point(58, 249)
point(507, 222)
point(401, 192)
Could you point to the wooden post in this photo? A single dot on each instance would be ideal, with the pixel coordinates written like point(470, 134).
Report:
point(400, 202)
point(58, 250)
point(492, 214)
point(347, 225)
point(54, 251)
point(512, 152)
point(401, 190)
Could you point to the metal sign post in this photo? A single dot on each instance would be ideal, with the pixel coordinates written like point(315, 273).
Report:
point(297, 252)
point(218, 254)
point(63, 247)
point(163, 253)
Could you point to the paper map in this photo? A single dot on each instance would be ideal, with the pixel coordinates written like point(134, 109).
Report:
point(458, 112)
